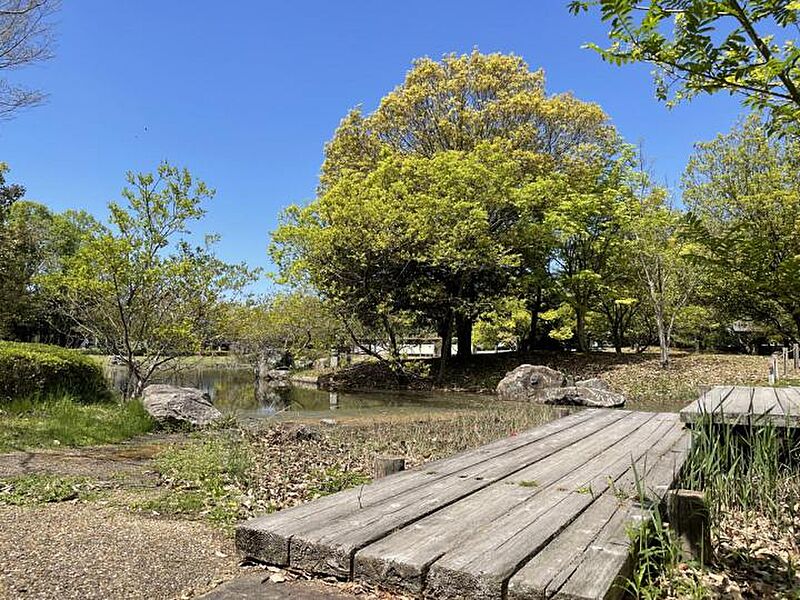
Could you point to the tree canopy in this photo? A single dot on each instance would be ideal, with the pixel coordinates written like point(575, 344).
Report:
point(434, 205)
point(744, 47)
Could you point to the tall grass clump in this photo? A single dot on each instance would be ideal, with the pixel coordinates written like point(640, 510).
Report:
point(747, 468)
point(62, 420)
point(30, 370)
point(748, 474)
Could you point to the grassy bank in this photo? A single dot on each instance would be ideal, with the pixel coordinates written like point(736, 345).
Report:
point(61, 420)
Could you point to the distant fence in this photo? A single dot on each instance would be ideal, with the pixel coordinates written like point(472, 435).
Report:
point(783, 362)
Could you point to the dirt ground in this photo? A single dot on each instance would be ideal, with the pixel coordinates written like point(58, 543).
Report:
point(101, 549)
point(98, 548)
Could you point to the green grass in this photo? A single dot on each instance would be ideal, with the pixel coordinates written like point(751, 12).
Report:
point(63, 421)
point(204, 478)
point(741, 470)
point(26, 490)
point(333, 479)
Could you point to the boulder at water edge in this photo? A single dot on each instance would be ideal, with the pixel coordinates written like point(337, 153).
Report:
point(595, 383)
point(524, 383)
point(171, 404)
point(582, 396)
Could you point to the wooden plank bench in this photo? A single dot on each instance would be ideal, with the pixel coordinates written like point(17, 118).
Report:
point(546, 513)
point(742, 405)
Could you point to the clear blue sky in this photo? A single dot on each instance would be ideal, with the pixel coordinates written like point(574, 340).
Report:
point(245, 94)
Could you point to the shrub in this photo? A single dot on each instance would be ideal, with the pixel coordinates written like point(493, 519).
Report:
point(28, 370)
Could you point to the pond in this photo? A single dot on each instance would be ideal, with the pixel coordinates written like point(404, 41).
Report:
point(233, 391)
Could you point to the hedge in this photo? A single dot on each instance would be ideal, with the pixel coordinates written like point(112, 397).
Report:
point(40, 370)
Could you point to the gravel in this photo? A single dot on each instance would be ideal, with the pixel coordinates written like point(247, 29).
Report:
point(87, 551)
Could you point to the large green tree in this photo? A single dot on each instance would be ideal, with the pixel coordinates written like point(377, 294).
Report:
point(138, 288)
point(416, 237)
point(743, 189)
point(745, 47)
point(452, 162)
point(586, 222)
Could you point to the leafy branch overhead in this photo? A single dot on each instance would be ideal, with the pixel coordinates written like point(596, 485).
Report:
point(745, 47)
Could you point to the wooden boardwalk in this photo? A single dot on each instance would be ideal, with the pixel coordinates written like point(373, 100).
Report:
point(546, 513)
point(740, 405)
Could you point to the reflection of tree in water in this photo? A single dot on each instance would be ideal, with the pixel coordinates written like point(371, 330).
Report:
point(238, 391)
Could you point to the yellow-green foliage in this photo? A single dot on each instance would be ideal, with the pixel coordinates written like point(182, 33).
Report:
point(40, 370)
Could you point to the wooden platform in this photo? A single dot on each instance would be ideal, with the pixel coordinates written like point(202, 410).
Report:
point(546, 513)
point(740, 405)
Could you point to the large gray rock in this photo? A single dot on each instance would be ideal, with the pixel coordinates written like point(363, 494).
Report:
point(172, 404)
point(595, 383)
point(581, 396)
point(527, 381)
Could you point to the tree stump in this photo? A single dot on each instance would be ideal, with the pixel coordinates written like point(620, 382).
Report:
point(387, 465)
point(689, 518)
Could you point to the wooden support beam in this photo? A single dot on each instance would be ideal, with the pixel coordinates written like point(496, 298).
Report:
point(688, 517)
point(388, 465)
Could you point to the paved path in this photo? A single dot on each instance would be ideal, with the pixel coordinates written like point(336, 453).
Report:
point(545, 513)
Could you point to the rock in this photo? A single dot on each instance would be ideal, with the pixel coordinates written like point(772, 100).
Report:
point(594, 383)
point(278, 375)
point(581, 396)
point(171, 404)
point(526, 381)
point(329, 422)
point(305, 433)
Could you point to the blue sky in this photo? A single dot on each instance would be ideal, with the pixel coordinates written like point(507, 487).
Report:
point(247, 96)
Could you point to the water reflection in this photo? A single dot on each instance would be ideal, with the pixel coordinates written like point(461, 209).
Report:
point(235, 391)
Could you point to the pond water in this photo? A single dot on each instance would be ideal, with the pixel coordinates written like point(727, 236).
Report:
point(233, 391)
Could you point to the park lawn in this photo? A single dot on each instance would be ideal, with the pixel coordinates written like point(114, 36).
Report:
point(61, 421)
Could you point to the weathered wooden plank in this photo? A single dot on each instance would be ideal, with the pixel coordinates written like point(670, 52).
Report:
point(400, 560)
point(602, 570)
point(708, 403)
point(551, 567)
point(789, 399)
point(267, 538)
point(735, 408)
point(482, 565)
point(327, 546)
point(765, 407)
point(606, 564)
point(548, 570)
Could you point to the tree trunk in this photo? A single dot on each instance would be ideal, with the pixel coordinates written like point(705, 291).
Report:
point(618, 344)
point(445, 331)
point(663, 343)
point(580, 329)
point(534, 307)
point(464, 335)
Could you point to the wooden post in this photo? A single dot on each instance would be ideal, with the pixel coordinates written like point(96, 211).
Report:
point(334, 358)
point(785, 360)
point(689, 518)
point(771, 378)
point(387, 465)
point(796, 356)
